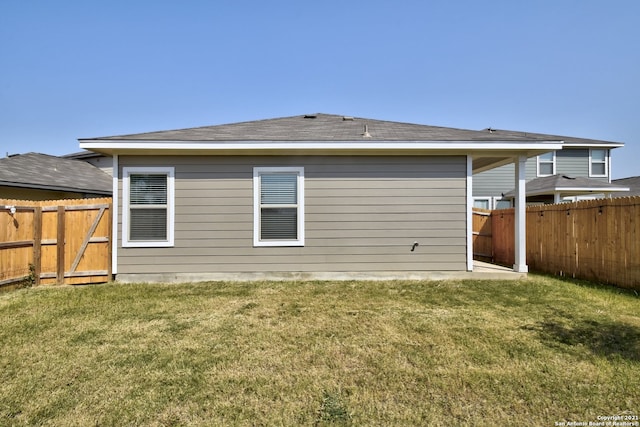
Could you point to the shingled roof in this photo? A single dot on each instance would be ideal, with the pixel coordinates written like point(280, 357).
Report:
point(319, 127)
point(632, 182)
point(332, 134)
point(568, 140)
point(42, 171)
point(568, 186)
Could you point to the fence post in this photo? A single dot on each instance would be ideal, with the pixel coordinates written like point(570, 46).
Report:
point(37, 244)
point(60, 246)
point(110, 243)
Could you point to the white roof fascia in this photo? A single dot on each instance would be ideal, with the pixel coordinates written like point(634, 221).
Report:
point(592, 189)
point(118, 145)
point(594, 144)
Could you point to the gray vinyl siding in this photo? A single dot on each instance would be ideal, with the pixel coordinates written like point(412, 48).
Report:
point(569, 161)
point(494, 182)
point(104, 163)
point(362, 214)
point(575, 162)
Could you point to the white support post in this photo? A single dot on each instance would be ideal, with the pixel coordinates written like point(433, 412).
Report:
point(556, 198)
point(469, 213)
point(114, 232)
point(520, 265)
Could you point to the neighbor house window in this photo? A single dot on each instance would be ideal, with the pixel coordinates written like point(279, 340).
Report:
point(278, 197)
point(502, 204)
point(598, 163)
point(482, 202)
point(491, 203)
point(547, 164)
point(148, 206)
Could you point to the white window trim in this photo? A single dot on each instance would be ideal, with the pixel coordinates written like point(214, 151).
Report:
point(484, 199)
point(553, 166)
point(499, 199)
point(257, 171)
point(493, 201)
point(606, 163)
point(126, 172)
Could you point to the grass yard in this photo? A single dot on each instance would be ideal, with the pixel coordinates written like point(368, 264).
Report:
point(535, 352)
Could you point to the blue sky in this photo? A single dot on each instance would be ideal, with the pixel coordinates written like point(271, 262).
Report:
point(76, 69)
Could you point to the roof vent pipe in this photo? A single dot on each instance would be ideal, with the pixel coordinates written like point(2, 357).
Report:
point(366, 133)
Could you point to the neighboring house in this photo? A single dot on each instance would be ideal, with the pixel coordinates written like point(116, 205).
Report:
point(633, 183)
point(579, 158)
point(102, 162)
point(314, 196)
point(562, 188)
point(35, 176)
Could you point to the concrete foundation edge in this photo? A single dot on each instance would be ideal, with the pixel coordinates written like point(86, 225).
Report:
point(310, 276)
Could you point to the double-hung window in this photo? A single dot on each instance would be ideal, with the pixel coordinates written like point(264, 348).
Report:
point(278, 197)
point(148, 206)
point(547, 164)
point(598, 163)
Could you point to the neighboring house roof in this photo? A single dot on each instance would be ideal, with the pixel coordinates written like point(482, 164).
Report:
point(327, 134)
point(81, 155)
point(632, 182)
point(42, 171)
point(569, 141)
point(567, 186)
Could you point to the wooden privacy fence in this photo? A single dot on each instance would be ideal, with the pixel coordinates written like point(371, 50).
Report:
point(596, 240)
point(55, 241)
point(482, 235)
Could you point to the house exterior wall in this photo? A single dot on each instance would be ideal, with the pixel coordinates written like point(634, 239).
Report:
point(104, 163)
point(494, 182)
point(569, 161)
point(573, 162)
point(20, 193)
point(362, 214)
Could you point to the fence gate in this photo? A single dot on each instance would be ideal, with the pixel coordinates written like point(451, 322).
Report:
point(63, 242)
point(482, 235)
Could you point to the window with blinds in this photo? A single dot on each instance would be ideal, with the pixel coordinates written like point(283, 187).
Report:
point(148, 201)
point(148, 207)
point(278, 209)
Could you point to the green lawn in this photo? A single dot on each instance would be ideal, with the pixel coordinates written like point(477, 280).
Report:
point(535, 352)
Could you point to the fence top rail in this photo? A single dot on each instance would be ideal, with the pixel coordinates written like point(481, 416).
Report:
point(15, 208)
point(65, 202)
point(615, 202)
point(75, 207)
